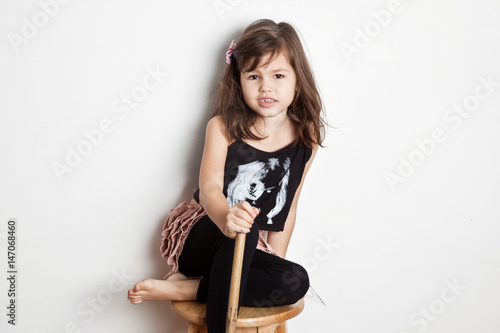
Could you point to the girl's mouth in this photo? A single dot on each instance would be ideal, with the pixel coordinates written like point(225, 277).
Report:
point(266, 102)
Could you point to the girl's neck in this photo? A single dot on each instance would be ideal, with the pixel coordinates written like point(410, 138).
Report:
point(270, 126)
point(277, 133)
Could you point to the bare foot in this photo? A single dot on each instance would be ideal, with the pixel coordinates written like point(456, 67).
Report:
point(177, 276)
point(175, 288)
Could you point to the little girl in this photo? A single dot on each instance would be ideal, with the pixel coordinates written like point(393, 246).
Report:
point(259, 145)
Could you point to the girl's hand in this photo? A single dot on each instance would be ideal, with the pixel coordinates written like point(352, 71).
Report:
point(239, 219)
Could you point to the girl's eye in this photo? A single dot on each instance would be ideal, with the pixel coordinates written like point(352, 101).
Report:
point(279, 76)
point(253, 77)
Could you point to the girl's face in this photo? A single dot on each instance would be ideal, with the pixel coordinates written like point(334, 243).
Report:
point(269, 90)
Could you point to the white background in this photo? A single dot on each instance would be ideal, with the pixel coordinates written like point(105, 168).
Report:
point(422, 255)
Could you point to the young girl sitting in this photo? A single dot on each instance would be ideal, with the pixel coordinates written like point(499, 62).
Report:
point(259, 145)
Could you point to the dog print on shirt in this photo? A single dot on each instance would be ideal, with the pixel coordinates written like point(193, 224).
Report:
point(252, 181)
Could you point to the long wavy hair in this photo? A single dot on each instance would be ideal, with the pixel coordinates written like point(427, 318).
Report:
point(261, 38)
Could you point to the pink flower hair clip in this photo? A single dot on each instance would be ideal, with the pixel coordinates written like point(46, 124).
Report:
point(230, 52)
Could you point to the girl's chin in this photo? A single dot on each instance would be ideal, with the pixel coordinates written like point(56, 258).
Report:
point(270, 113)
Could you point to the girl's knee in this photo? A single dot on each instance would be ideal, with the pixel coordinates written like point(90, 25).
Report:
point(296, 282)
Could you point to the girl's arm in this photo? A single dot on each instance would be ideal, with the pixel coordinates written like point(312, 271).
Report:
point(238, 218)
point(279, 240)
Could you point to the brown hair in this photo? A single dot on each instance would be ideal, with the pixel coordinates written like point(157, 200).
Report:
point(261, 38)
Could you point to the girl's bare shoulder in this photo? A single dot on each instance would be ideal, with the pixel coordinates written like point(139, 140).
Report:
point(216, 130)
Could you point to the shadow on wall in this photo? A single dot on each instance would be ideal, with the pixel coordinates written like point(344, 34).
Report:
point(193, 144)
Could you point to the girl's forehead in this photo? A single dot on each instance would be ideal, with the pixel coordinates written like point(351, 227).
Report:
point(278, 61)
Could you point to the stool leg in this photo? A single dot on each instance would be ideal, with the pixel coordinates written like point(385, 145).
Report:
point(267, 329)
point(281, 327)
point(246, 330)
point(195, 328)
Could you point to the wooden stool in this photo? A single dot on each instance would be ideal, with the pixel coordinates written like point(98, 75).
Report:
point(247, 319)
point(255, 320)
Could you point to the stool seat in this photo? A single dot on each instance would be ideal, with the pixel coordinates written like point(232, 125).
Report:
point(194, 312)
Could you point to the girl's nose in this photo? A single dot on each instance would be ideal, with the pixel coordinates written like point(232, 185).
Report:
point(265, 86)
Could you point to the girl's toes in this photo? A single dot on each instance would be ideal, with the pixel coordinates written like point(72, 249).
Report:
point(135, 301)
point(138, 286)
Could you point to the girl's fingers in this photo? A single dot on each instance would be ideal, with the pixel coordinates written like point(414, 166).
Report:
point(233, 230)
point(242, 225)
point(244, 216)
point(241, 218)
point(245, 205)
point(248, 212)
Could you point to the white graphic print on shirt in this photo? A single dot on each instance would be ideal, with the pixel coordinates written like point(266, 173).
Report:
point(250, 184)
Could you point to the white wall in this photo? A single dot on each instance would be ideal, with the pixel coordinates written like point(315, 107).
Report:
point(421, 255)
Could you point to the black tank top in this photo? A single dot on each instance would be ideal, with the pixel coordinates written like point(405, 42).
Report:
point(267, 180)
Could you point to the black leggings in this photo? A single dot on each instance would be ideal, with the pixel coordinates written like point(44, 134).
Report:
point(266, 280)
